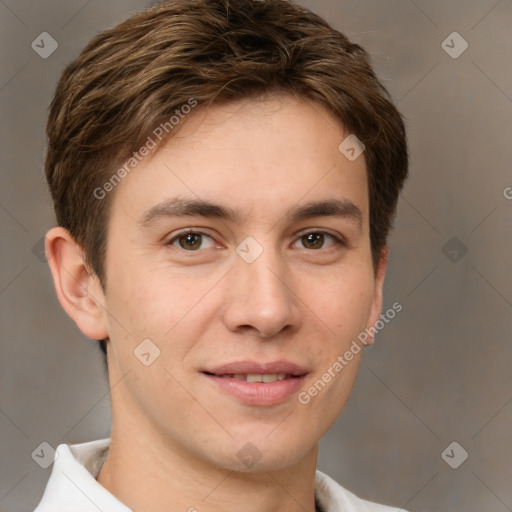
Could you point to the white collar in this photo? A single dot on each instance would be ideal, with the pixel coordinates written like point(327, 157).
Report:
point(73, 482)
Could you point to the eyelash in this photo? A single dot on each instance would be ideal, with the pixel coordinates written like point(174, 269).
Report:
point(338, 239)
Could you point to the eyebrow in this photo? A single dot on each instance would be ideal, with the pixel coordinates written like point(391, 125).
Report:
point(181, 207)
point(340, 208)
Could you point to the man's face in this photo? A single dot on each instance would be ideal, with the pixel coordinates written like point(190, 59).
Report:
point(267, 284)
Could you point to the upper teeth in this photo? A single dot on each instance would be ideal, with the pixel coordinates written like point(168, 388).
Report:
point(252, 377)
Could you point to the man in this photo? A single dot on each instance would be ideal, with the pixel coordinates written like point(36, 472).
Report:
point(225, 174)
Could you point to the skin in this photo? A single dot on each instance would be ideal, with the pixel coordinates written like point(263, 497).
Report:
point(175, 436)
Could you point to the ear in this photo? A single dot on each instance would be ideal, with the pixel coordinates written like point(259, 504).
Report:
point(377, 296)
point(78, 289)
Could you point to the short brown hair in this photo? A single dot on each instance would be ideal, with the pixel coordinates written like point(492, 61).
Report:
point(131, 78)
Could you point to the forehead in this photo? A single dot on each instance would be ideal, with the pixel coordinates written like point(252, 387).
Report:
point(256, 155)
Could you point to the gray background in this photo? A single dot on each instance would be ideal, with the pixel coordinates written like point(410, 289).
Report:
point(439, 372)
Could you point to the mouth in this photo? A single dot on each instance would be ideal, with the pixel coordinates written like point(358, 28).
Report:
point(254, 377)
point(261, 384)
point(243, 369)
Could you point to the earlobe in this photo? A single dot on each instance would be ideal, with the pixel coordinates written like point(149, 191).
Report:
point(376, 309)
point(78, 290)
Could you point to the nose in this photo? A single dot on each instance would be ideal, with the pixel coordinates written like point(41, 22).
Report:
point(261, 298)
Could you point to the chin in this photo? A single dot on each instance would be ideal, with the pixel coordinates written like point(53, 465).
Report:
point(259, 453)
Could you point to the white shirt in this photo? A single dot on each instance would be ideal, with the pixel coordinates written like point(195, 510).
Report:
point(72, 486)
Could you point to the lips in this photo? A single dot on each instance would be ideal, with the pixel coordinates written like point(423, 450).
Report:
point(256, 377)
point(244, 368)
point(259, 384)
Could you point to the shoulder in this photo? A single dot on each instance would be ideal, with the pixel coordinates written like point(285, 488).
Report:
point(73, 480)
point(332, 497)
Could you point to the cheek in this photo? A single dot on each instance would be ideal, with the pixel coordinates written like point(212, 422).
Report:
point(344, 303)
point(159, 305)
point(343, 307)
point(143, 297)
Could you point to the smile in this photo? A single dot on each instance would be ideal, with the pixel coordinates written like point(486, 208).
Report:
point(257, 389)
point(253, 377)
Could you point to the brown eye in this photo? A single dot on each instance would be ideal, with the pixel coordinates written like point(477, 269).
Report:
point(192, 241)
point(319, 240)
point(313, 240)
